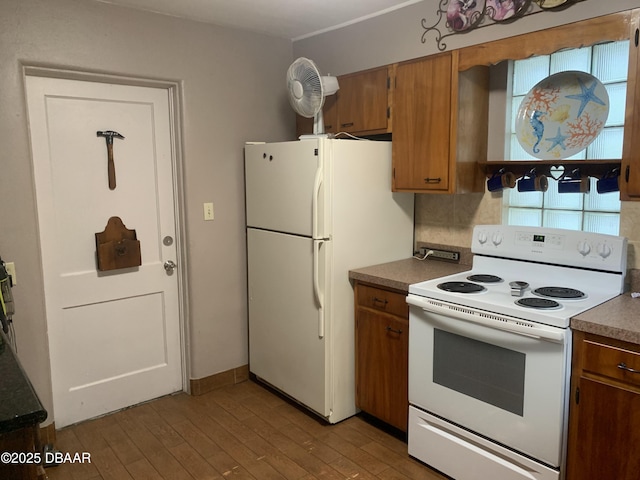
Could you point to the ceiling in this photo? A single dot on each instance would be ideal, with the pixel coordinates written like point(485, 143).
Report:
point(291, 19)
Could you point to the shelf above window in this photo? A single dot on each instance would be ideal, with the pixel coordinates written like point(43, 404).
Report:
point(592, 168)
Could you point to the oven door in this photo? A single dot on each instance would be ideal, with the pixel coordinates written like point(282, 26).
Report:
point(499, 377)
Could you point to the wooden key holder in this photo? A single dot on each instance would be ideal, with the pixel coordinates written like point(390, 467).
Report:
point(117, 247)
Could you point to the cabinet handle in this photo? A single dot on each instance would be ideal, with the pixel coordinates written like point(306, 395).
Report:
point(350, 124)
point(637, 36)
point(383, 301)
point(432, 180)
point(393, 330)
point(623, 366)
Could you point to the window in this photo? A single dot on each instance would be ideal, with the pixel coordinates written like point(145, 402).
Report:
point(591, 212)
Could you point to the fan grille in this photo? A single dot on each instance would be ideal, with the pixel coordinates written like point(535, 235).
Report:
point(306, 94)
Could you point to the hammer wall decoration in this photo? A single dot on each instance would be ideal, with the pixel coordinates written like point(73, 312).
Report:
point(117, 247)
point(111, 167)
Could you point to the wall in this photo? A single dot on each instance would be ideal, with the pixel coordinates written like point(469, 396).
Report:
point(397, 36)
point(232, 91)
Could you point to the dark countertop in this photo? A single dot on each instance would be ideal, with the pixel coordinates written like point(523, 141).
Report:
point(19, 405)
point(402, 273)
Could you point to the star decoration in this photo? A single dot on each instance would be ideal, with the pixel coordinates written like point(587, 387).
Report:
point(586, 96)
point(558, 140)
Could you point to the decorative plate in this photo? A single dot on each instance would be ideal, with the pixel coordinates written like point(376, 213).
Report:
point(546, 4)
point(463, 15)
point(502, 10)
point(562, 115)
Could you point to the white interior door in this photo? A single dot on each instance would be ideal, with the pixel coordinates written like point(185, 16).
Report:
point(114, 336)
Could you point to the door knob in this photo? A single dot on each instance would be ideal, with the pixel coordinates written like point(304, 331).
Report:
point(169, 266)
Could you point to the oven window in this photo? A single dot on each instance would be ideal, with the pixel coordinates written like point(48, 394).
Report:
point(492, 374)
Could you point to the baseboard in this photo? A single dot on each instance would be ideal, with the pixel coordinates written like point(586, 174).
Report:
point(200, 386)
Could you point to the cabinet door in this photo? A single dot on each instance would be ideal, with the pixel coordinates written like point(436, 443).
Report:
point(421, 124)
point(382, 356)
point(363, 102)
point(630, 178)
point(607, 440)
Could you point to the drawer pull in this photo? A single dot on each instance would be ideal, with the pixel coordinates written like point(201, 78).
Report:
point(623, 366)
point(432, 180)
point(393, 330)
point(383, 301)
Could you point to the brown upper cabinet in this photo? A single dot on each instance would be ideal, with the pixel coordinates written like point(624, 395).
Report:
point(437, 139)
point(439, 108)
point(630, 171)
point(363, 102)
point(360, 107)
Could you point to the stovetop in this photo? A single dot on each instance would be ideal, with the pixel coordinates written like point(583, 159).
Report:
point(576, 285)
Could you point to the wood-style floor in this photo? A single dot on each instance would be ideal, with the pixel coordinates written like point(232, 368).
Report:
point(242, 431)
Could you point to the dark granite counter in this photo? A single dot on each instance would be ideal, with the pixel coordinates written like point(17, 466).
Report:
point(19, 405)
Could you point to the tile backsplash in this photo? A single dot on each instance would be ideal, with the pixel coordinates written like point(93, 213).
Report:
point(448, 220)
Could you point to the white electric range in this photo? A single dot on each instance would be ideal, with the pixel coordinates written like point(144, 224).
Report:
point(490, 350)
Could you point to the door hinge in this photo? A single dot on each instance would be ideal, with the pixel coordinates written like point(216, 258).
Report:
point(315, 152)
point(626, 174)
point(577, 395)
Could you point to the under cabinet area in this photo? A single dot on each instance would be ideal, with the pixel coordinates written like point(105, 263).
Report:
point(604, 429)
point(382, 353)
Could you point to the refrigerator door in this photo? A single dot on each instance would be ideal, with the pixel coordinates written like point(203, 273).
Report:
point(283, 186)
point(286, 345)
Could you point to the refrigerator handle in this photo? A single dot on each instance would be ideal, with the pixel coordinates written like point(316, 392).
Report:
point(317, 183)
point(319, 294)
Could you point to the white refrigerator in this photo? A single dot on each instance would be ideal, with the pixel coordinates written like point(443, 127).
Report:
point(316, 208)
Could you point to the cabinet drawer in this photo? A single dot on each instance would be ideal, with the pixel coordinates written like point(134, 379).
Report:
point(613, 362)
point(383, 300)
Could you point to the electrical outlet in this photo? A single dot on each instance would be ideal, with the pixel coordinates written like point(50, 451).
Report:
point(443, 254)
point(11, 270)
point(208, 211)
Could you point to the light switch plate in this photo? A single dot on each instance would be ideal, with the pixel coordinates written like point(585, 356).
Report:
point(11, 270)
point(208, 211)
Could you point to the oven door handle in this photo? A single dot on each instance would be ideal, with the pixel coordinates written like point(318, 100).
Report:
point(488, 319)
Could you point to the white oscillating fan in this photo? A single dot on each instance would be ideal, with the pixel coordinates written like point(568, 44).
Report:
point(307, 91)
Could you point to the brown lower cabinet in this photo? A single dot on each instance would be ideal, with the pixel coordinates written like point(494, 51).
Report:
point(604, 422)
point(382, 353)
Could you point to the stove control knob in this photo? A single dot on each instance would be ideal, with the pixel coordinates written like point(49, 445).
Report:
point(482, 238)
point(604, 250)
point(584, 248)
point(496, 239)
